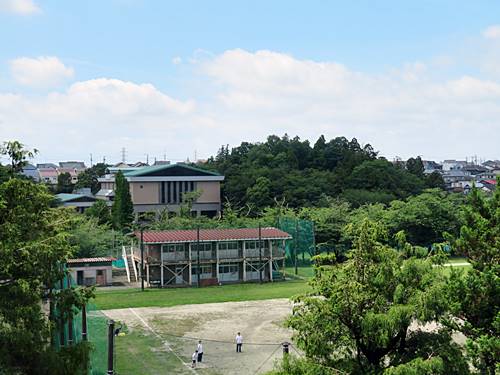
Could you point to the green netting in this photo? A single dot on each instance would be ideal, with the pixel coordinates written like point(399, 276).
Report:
point(97, 328)
point(302, 244)
point(119, 263)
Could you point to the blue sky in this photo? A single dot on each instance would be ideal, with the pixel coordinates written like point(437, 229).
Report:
point(177, 76)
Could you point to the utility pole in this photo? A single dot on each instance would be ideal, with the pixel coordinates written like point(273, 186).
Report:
point(198, 252)
point(91, 162)
point(260, 253)
point(147, 159)
point(124, 154)
point(142, 258)
point(111, 344)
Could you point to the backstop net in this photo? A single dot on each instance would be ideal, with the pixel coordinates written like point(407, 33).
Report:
point(302, 244)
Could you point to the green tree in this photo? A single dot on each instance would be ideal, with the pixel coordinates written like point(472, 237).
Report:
point(64, 184)
point(88, 178)
point(357, 318)
point(122, 211)
point(259, 195)
point(426, 217)
point(415, 166)
point(91, 239)
point(33, 246)
point(100, 211)
point(475, 296)
point(435, 180)
point(18, 156)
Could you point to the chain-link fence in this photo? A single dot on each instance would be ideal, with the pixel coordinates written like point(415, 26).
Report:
point(71, 332)
point(302, 245)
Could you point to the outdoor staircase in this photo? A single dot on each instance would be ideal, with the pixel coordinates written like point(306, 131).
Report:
point(130, 268)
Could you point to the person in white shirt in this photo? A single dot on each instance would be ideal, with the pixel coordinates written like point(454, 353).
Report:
point(194, 357)
point(199, 349)
point(239, 342)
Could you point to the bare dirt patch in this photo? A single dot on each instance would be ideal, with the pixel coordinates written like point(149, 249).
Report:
point(216, 324)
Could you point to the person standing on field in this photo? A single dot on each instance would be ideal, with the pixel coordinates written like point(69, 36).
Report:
point(194, 357)
point(239, 342)
point(200, 351)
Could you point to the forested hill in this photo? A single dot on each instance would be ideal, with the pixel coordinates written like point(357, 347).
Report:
point(291, 169)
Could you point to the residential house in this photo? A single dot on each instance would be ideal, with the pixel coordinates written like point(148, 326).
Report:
point(159, 188)
point(431, 166)
point(213, 256)
point(46, 166)
point(78, 165)
point(450, 165)
point(72, 172)
point(48, 175)
point(31, 171)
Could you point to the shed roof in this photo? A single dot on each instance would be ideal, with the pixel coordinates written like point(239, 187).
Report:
point(190, 235)
point(90, 260)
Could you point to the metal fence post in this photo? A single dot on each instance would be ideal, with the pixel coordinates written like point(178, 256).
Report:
point(111, 343)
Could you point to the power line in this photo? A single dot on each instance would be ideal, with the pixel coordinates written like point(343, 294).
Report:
point(267, 359)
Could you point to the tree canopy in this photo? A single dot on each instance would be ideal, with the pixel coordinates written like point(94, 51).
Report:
point(122, 211)
point(358, 318)
point(258, 174)
point(33, 247)
point(475, 296)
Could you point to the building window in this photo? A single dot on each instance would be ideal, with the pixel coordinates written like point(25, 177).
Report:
point(204, 246)
point(207, 269)
point(232, 245)
point(229, 268)
point(251, 245)
point(192, 186)
point(172, 248)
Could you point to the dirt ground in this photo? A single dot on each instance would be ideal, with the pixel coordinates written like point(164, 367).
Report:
point(216, 324)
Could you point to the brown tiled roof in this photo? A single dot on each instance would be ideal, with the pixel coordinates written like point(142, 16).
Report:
point(169, 236)
point(90, 260)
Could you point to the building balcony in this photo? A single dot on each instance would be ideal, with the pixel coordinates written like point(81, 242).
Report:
point(175, 257)
point(229, 254)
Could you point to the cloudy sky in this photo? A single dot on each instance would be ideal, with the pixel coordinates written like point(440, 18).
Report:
point(179, 77)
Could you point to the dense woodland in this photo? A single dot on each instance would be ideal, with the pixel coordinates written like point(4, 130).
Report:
point(292, 170)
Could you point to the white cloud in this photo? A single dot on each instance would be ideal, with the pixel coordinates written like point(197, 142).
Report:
point(492, 32)
point(23, 7)
point(176, 60)
point(43, 71)
point(245, 96)
point(402, 112)
point(100, 115)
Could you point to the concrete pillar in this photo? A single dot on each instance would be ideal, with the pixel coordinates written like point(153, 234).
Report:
point(190, 266)
point(244, 262)
point(217, 260)
point(270, 260)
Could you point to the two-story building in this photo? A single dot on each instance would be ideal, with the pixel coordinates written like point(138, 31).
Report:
point(161, 187)
point(215, 256)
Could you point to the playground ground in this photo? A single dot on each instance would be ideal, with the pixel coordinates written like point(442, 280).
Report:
point(161, 340)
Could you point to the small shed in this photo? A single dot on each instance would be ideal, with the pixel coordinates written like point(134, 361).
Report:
point(92, 271)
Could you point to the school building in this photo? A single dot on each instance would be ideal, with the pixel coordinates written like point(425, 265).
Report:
point(216, 256)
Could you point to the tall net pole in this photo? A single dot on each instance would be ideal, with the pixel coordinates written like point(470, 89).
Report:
point(260, 253)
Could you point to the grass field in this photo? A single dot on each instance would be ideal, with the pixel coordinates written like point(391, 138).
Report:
point(124, 298)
